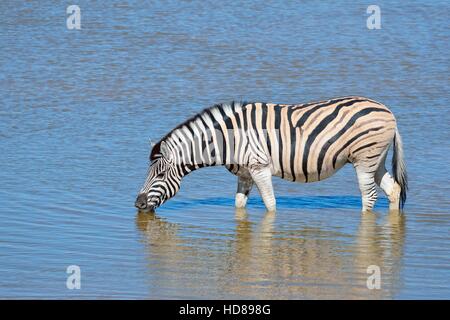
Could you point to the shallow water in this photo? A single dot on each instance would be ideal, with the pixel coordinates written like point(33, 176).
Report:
point(78, 107)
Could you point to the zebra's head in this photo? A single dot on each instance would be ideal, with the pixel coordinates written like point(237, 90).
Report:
point(163, 179)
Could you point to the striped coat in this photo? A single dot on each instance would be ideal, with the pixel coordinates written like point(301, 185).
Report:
point(303, 142)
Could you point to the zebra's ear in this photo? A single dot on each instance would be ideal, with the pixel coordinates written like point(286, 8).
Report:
point(165, 151)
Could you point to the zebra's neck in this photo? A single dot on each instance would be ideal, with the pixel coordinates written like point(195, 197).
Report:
point(202, 140)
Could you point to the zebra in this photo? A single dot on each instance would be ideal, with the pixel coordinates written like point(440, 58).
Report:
point(301, 142)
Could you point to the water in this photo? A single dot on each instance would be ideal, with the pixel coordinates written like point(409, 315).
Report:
point(79, 106)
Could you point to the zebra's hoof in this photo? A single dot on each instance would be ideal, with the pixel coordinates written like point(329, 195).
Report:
point(241, 200)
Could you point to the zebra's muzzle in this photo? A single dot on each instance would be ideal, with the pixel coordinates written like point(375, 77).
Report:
point(143, 204)
point(141, 201)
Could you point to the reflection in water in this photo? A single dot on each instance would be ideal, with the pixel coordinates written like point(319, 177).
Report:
point(270, 261)
point(380, 245)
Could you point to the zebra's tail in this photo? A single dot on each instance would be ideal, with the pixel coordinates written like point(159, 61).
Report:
point(399, 168)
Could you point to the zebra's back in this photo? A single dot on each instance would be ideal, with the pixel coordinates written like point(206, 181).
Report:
point(309, 142)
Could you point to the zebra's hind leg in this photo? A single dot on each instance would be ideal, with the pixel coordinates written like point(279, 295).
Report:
point(388, 185)
point(367, 186)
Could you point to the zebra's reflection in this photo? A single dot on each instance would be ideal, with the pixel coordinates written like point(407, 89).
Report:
point(264, 260)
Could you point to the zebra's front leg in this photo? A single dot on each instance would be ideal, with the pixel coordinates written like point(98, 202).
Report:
point(262, 176)
point(245, 184)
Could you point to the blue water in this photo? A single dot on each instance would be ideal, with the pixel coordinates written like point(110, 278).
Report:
point(78, 107)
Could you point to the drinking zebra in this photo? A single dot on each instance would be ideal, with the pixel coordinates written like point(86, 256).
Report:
point(304, 142)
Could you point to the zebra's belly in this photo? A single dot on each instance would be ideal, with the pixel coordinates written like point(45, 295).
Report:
point(313, 176)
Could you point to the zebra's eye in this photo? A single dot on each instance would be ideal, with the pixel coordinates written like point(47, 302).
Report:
point(160, 175)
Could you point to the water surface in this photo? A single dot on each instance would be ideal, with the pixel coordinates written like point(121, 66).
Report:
point(77, 108)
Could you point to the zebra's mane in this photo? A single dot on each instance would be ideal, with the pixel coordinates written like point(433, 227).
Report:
point(233, 105)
